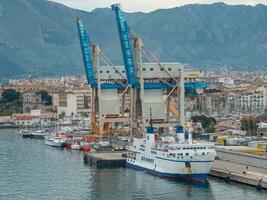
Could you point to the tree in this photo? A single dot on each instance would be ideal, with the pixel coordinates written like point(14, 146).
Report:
point(10, 95)
point(11, 102)
point(208, 123)
point(46, 98)
point(62, 115)
point(27, 109)
point(249, 124)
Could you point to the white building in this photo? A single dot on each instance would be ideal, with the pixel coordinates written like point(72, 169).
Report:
point(71, 104)
point(250, 102)
point(226, 81)
point(264, 91)
point(78, 102)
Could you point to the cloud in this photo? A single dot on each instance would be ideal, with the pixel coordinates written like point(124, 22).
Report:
point(146, 5)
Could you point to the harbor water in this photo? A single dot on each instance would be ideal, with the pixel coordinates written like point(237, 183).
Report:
point(31, 170)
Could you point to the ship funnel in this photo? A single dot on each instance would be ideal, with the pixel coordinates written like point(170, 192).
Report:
point(180, 135)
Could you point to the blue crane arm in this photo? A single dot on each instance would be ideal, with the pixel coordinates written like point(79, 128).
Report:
point(87, 54)
point(126, 46)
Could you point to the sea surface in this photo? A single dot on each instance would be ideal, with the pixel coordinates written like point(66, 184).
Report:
point(30, 170)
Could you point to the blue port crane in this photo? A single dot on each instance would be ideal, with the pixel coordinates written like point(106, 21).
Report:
point(127, 51)
point(86, 53)
point(126, 46)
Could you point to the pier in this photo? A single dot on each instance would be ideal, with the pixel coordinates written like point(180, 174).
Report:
point(105, 159)
point(239, 172)
point(229, 170)
point(233, 165)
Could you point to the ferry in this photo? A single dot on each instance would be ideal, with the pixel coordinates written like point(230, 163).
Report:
point(177, 157)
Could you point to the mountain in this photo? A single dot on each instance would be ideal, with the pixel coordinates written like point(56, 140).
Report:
point(39, 37)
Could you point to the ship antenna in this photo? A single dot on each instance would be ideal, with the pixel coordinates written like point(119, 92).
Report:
point(150, 120)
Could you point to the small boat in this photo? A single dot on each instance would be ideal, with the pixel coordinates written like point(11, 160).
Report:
point(40, 134)
point(86, 146)
point(75, 146)
point(25, 134)
point(54, 141)
point(68, 144)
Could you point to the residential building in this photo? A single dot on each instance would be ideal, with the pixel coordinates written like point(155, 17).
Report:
point(250, 102)
point(75, 102)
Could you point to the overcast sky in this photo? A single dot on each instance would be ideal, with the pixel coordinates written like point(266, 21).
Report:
point(146, 5)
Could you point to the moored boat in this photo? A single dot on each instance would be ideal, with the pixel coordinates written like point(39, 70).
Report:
point(39, 134)
point(25, 134)
point(75, 146)
point(54, 141)
point(68, 144)
point(86, 146)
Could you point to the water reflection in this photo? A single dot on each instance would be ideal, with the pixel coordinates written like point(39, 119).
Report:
point(31, 170)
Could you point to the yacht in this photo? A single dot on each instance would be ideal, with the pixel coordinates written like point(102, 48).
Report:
point(54, 141)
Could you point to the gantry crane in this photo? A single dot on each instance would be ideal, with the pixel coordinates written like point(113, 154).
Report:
point(103, 85)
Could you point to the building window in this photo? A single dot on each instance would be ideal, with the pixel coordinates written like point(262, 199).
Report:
point(144, 69)
point(151, 69)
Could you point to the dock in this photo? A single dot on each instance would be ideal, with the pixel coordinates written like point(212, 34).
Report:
point(105, 159)
point(240, 172)
point(229, 170)
point(235, 165)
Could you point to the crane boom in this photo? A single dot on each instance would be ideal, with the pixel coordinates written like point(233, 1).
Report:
point(126, 46)
point(86, 53)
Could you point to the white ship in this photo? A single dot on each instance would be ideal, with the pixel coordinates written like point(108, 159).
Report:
point(171, 157)
point(54, 141)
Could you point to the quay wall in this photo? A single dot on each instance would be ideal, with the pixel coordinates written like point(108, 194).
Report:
point(248, 159)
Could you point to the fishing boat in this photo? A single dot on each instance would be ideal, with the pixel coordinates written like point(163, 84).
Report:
point(85, 146)
point(68, 144)
point(39, 134)
point(75, 146)
point(174, 157)
point(54, 141)
point(25, 134)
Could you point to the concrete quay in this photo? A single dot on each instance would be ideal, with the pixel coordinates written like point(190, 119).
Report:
point(229, 170)
point(240, 172)
point(105, 159)
point(231, 153)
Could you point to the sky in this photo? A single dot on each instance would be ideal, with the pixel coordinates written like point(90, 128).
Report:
point(146, 5)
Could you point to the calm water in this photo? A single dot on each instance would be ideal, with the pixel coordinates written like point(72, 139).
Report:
point(31, 170)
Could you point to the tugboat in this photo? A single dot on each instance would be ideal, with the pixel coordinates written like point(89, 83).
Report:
point(171, 157)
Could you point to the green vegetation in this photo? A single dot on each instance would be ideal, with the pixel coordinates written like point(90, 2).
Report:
point(208, 123)
point(62, 115)
point(46, 98)
point(249, 124)
point(11, 102)
point(206, 36)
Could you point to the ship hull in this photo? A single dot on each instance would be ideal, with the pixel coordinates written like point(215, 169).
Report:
point(198, 178)
point(53, 143)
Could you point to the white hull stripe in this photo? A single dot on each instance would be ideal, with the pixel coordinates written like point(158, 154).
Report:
point(184, 160)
